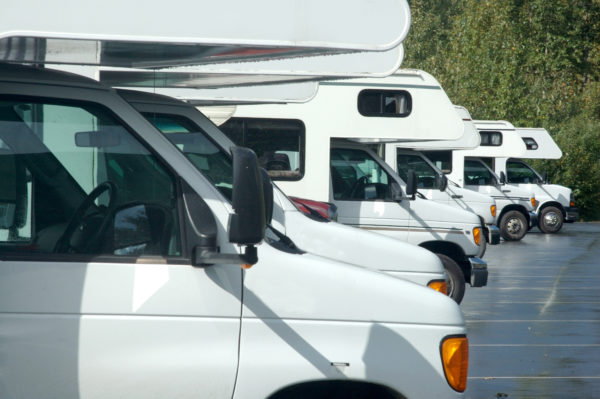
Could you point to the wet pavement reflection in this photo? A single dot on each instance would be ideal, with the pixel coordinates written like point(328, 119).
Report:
point(534, 331)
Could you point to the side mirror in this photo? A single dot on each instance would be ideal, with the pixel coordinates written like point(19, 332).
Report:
point(545, 178)
point(411, 183)
point(267, 186)
point(502, 177)
point(441, 182)
point(247, 224)
point(396, 191)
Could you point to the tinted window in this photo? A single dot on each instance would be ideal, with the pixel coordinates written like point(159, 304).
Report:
point(390, 103)
point(477, 174)
point(530, 143)
point(278, 143)
point(355, 175)
point(79, 182)
point(491, 138)
point(441, 159)
point(425, 173)
point(518, 172)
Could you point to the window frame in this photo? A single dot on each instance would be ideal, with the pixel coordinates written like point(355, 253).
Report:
point(22, 255)
point(301, 150)
point(489, 133)
point(381, 113)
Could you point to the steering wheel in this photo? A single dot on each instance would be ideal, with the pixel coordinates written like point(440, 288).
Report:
point(360, 183)
point(63, 243)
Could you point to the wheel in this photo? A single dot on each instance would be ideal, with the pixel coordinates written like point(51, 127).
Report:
point(513, 226)
point(551, 220)
point(63, 243)
point(456, 278)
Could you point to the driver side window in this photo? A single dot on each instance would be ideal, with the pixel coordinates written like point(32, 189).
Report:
point(89, 186)
point(518, 172)
point(355, 175)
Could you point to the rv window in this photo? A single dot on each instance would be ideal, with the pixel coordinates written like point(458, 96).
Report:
point(519, 172)
point(477, 174)
point(530, 143)
point(441, 159)
point(491, 138)
point(71, 186)
point(425, 173)
point(278, 143)
point(355, 175)
point(388, 103)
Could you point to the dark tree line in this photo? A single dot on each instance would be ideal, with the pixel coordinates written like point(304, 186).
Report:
point(535, 63)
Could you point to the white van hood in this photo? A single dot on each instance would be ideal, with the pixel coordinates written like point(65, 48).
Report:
point(306, 286)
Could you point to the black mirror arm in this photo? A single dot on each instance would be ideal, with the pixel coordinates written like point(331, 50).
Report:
point(204, 256)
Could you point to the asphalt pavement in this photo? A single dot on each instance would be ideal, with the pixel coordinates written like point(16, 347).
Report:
point(534, 331)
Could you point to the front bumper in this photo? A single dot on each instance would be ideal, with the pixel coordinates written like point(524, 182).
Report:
point(572, 214)
point(533, 219)
point(479, 272)
point(492, 234)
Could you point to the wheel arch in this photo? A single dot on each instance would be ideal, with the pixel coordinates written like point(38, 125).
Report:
point(552, 203)
point(336, 389)
point(453, 251)
point(514, 207)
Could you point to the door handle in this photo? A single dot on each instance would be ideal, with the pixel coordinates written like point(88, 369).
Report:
point(456, 196)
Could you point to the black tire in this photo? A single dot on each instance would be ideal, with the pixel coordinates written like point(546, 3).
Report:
point(551, 220)
point(456, 278)
point(513, 226)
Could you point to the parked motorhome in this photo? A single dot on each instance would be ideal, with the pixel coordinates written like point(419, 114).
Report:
point(296, 143)
point(433, 184)
point(556, 202)
point(120, 273)
point(472, 169)
point(208, 148)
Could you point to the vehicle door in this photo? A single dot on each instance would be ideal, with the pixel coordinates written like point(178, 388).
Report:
point(363, 192)
point(98, 296)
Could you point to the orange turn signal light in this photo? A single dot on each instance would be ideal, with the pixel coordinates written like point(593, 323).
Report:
point(439, 286)
point(533, 202)
point(246, 266)
point(477, 235)
point(455, 358)
point(493, 210)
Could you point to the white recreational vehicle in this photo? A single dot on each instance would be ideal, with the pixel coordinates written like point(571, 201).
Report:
point(205, 145)
point(120, 273)
point(121, 261)
point(468, 169)
point(312, 150)
point(556, 203)
point(432, 182)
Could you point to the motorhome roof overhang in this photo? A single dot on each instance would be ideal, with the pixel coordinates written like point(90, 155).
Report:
point(545, 147)
point(125, 34)
point(361, 64)
point(511, 144)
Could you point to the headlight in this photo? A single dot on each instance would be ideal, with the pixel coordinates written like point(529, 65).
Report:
point(455, 358)
point(439, 286)
point(477, 235)
point(493, 210)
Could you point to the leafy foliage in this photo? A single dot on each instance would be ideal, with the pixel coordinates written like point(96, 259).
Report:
point(534, 63)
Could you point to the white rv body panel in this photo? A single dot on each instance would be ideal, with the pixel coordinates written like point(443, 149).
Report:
point(543, 145)
point(63, 31)
point(170, 329)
